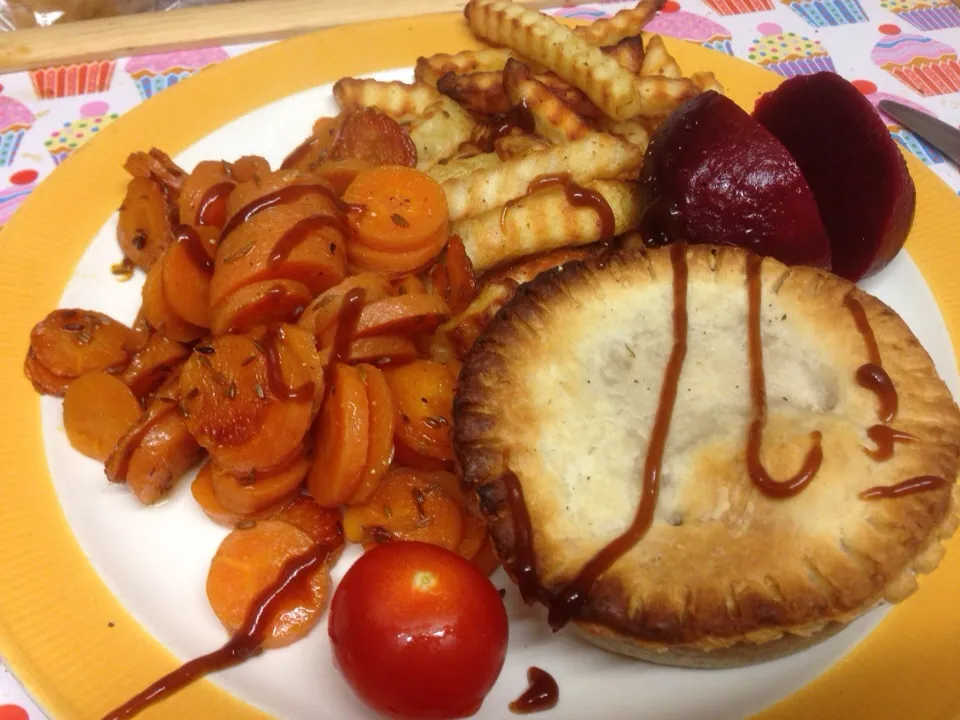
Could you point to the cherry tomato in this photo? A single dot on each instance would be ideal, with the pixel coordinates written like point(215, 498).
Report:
point(418, 632)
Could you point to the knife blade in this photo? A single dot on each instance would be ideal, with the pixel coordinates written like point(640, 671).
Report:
point(943, 137)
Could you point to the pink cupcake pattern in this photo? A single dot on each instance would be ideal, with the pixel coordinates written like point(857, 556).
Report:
point(153, 73)
point(927, 66)
point(21, 185)
point(674, 22)
point(927, 153)
point(787, 53)
point(94, 116)
point(15, 120)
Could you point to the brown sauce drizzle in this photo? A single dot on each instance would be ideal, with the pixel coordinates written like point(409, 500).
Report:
point(919, 484)
point(502, 124)
point(884, 437)
point(350, 307)
point(300, 231)
point(132, 441)
point(875, 379)
point(758, 395)
point(299, 152)
point(542, 694)
point(524, 565)
point(243, 645)
point(572, 598)
point(283, 196)
point(577, 195)
point(278, 387)
point(871, 375)
point(189, 240)
point(213, 205)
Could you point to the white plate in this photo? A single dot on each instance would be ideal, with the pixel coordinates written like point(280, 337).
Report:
point(156, 559)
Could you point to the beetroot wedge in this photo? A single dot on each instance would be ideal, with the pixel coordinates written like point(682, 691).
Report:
point(712, 174)
point(858, 176)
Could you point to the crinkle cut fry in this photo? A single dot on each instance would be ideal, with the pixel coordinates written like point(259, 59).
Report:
point(440, 131)
point(553, 118)
point(547, 42)
point(401, 101)
point(627, 22)
point(544, 221)
point(592, 157)
point(657, 60)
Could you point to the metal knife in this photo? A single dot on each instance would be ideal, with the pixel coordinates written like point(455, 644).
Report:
point(943, 137)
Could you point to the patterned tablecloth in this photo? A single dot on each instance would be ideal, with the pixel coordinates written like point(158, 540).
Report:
point(903, 50)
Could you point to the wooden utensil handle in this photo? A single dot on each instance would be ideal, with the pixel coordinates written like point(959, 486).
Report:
point(210, 25)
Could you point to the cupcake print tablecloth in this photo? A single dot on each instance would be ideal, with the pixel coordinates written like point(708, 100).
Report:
point(903, 50)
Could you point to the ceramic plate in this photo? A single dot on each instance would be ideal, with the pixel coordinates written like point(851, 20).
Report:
point(101, 596)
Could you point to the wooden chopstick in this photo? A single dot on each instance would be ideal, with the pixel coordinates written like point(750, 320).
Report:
point(210, 25)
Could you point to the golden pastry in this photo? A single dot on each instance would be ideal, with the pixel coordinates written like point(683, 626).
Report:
point(702, 458)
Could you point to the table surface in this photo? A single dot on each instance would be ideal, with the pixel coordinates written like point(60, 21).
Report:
point(45, 115)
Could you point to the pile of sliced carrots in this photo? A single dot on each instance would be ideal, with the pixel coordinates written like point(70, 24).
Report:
point(300, 335)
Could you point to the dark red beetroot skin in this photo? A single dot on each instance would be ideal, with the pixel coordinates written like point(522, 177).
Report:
point(858, 176)
point(712, 174)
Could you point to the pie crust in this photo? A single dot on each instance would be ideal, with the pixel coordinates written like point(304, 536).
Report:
point(562, 389)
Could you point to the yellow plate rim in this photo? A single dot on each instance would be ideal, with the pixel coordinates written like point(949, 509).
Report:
point(72, 644)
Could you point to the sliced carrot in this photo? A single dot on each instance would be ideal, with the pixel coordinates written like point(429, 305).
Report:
point(450, 482)
point(406, 506)
point(323, 525)
point(144, 223)
point(340, 173)
point(247, 167)
point(403, 209)
point(187, 268)
point(70, 343)
point(323, 312)
point(203, 198)
point(380, 350)
point(149, 367)
point(423, 397)
point(485, 559)
point(304, 353)
point(164, 453)
point(160, 314)
point(380, 451)
point(202, 491)
point(375, 137)
point(462, 282)
point(249, 561)
point(297, 236)
point(392, 262)
point(141, 332)
point(97, 410)
point(238, 408)
point(313, 151)
point(404, 456)
point(409, 285)
point(158, 165)
point(341, 439)
point(255, 492)
point(43, 381)
point(260, 303)
point(403, 315)
point(474, 536)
